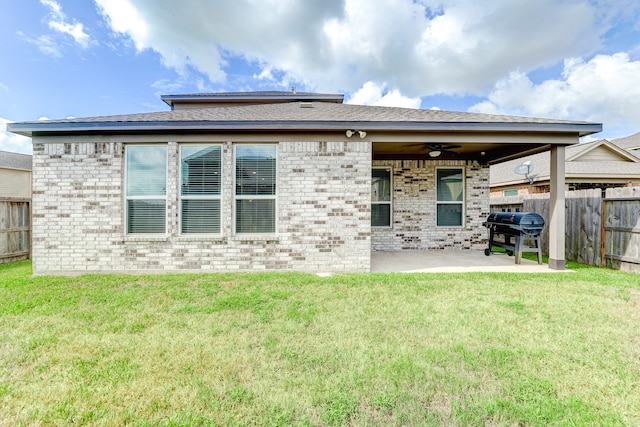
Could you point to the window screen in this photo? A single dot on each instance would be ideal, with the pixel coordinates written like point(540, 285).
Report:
point(200, 188)
point(146, 188)
point(381, 197)
point(255, 188)
point(449, 197)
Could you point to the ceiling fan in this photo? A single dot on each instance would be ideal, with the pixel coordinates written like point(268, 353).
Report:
point(435, 150)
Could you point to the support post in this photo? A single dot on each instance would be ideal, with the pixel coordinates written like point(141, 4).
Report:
point(557, 209)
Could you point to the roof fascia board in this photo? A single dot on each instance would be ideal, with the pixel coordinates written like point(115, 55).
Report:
point(518, 182)
point(575, 177)
point(12, 168)
point(171, 99)
point(27, 129)
point(602, 175)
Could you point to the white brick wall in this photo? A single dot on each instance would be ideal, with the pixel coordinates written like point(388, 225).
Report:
point(323, 213)
point(414, 207)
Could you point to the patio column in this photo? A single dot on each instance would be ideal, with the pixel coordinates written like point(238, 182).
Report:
point(557, 209)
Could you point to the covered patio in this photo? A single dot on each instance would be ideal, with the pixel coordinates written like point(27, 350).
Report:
point(452, 262)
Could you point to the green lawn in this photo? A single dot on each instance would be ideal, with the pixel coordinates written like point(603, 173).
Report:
point(302, 350)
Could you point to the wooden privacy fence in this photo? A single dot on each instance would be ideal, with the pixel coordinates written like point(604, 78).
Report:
point(599, 232)
point(15, 229)
point(621, 243)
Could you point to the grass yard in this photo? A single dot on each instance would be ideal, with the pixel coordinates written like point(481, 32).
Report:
point(301, 350)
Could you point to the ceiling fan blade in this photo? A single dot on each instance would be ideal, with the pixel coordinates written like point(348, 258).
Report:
point(435, 146)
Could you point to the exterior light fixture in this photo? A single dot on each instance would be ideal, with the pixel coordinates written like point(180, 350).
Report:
point(351, 132)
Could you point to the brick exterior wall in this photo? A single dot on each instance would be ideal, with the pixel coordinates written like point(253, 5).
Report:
point(323, 219)
point(522, 190)
point(414, 208)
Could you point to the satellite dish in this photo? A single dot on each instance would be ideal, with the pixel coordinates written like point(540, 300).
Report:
point(525, 169)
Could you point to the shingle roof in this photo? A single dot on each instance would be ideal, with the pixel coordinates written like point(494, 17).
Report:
point(503, 173)
point(15, 160)
point(631, 142)
point(305, 116)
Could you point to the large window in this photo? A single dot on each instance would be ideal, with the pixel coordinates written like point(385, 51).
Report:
point(449, 197)
point(200, 188)
point(255, 193)
point(381, 197)
point(146, 189)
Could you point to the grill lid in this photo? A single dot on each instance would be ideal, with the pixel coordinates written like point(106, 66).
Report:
point(526, 222)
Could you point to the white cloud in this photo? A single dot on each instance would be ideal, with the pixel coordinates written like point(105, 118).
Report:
point(166, 86)
point(392, 52)
point(604, 89)
point(373, 94)
point(46, 44)
point(58, 22)
point(12, 142)
point(50, 45)
point(265, 74)
point(417, 47)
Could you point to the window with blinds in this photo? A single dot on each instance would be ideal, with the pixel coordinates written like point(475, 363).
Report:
point(381, 197)
point(146, 189)
point(255, 188)
point(200, 188)
point(449, 197)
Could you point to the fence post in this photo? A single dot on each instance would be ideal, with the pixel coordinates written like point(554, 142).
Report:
point(603, 233)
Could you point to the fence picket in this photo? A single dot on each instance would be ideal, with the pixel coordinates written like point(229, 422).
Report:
point(599, 231)
point(14, 229)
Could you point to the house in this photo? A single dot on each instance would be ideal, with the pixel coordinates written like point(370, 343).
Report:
point(597, 164)
point(273, 181)
point(630, 143)
point(15, 175)
point(15, 195)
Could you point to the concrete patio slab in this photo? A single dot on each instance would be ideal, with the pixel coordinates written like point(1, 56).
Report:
point(452, 262)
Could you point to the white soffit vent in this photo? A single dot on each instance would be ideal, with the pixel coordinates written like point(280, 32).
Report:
point(306, 105)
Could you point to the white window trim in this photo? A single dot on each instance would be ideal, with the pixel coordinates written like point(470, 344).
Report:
point(462, 202)
point(199, 197)
point(125, 221)
point(255, 197)
point(390, 202)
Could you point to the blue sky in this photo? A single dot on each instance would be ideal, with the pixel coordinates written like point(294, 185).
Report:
point(567, 59)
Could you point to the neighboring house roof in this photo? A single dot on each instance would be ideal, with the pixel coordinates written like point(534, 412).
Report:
point(15, 160)
point(630, 143)
point(595, 160)
point(304, 116)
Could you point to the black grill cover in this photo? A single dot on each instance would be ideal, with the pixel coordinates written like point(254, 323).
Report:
point(525, 222)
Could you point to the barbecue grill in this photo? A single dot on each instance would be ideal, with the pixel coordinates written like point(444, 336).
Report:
point(520, 233)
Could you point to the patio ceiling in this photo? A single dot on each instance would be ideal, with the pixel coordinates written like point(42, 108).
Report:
point(484, 152)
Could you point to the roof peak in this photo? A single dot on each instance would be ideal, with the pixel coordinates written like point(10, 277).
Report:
point(218, 99)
